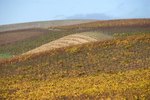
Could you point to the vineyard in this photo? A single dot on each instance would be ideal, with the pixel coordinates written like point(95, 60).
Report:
point(79, 64)
point(111, 59)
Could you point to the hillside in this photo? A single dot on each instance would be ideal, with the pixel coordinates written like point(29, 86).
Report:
point(96, 60)
point(117, 69)
point(113, 28)
point(40, 24)
point(11, 37)
point(18, 32)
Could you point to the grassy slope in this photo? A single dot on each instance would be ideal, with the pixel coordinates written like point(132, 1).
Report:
point(12, 37)
point(5, 56)
point(107, 27)
point(26, 45)
point(110, 69)
point(23, 44)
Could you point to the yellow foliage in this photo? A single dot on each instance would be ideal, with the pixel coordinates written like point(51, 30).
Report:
point(76, 86)
point(72, 49)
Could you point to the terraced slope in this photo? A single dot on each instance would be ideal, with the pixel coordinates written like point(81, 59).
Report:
point(113, 69)
point(71, 40)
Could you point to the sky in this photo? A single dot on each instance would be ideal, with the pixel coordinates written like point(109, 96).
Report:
point(19, 11)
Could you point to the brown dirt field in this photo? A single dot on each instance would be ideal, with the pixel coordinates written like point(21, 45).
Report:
point(19, 35)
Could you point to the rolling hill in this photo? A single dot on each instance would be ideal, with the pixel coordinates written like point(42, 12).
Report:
point(96, 60)
point(111, 27)
point(117, 68)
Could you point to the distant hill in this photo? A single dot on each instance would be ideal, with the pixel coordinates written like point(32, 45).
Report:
point(40, 24)
point(20, 41)
point(111, 26)
point(19, 32)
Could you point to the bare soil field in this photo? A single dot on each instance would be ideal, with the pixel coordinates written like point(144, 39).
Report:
point(19, 35)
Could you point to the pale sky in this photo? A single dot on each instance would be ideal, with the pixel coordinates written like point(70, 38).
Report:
point(18, 11)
